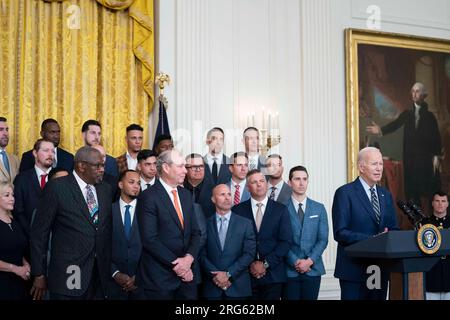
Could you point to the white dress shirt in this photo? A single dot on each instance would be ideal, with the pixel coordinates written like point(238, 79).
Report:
point(83, 185)
point(144, 183)
point(169, 192)
point(227, 216)
point(40, 172)
point(131, 162)
point(210, 160)
point(367, 188)
point(278, 187)
point(255, 208)
point(242, 185)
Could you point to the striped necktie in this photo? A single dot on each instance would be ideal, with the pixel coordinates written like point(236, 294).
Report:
point(375, 204)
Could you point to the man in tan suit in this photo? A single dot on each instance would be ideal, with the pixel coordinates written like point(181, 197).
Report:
point(9, 163)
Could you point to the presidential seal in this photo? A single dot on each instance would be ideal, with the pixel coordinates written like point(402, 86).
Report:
point(429, 239)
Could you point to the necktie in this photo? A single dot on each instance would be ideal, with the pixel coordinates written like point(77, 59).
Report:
point(375, 204)
point(259, 216)
point(92, 204)
point(43, 182)
point(301, 213)
point(252, 164)
point(272, 194)
point(5, 161)
point(214, 170)
point(237, 195)
point(177, 207)
point(148, 185)
point(127, 222)
point(222, 231)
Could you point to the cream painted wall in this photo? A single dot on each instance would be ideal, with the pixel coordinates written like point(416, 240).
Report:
point(228, 58)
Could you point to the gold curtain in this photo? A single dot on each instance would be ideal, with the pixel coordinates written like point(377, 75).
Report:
point(72, 61)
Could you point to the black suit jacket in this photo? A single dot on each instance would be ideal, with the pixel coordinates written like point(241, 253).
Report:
point(27, 193)
point(223, 177)
point(125, 253)
point(163, 238)
point(273, 239)
point(65, 160)
point(75, 240)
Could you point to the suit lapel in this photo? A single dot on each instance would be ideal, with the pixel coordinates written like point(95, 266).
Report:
point(79, 198)
point(294, 215)
point(361, 193)
point(382, 202)
point(215, 232)
point(230, 227)
point(184, 201)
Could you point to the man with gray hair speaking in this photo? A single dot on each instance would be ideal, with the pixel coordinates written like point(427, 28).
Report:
point(169, 233)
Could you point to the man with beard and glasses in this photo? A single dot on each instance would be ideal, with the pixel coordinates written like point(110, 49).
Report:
point(9, 164)
point(126, 242)
point(76, 209)
point(29, 184)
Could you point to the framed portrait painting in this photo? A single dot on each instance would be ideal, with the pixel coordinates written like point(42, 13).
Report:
point(398, 100)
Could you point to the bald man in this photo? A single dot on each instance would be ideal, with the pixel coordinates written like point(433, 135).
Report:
point(361, 210)
point(229, 251)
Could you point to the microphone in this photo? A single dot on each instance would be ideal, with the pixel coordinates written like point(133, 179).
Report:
point(416, 209)
point(413, 214)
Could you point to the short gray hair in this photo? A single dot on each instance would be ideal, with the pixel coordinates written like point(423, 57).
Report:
point(421, 88)
point(165, 157)
point(85, 154)
point(363, 152)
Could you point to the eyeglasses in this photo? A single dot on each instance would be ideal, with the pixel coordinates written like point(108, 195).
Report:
point(196, 168)
point(95, 165)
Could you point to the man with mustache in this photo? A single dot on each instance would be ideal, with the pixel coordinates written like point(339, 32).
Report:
point(29, 184)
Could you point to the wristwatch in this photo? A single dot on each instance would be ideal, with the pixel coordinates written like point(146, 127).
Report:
point(265, 264)
point(230, 278)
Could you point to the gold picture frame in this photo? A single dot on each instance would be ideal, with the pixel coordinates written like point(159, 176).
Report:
point(354, 39)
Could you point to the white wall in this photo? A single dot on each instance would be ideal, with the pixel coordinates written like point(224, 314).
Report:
point(231, 57)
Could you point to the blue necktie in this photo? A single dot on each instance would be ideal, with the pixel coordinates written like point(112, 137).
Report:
point(127, 222)
point(5, 161)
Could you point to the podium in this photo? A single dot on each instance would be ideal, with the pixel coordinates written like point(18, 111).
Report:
point(397, 251)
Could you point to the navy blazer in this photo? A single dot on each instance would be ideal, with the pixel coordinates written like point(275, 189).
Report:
point(310, 237)
point(354, 220)
point(125, 253)
point(163, 238)
point(224, 175)
point(273, 239)
point(64, 158)
point(237, 255)
point(27, 193)
point(111, 166)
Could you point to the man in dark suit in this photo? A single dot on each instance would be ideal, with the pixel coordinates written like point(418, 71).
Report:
point(278, 190)
point(272, 227)
point(229, 251)
point(92, 133)
point(134, 139)
point(147, 168)
point(421, 146)
point(50, 131)
point(216, 167)
point(195, 176)
point(238, 183)
point(361, 210)
point(76, 209)
point(251, 143)
point(29, 184)
point(126, 240)
point(111, 180)
point(169, 233)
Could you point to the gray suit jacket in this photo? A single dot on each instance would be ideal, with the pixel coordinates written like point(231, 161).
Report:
point(285, 194)
point(13, 168)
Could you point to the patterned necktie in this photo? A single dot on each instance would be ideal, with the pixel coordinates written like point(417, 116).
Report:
point(43, 180)
point(301, 213)
point(92, 204)
point(272, 194)
point(5, 161)
point(259, 216)
point(177, 207)
point(252, 164)
point(222, 231)
point(214, 170)
point(237, 195)
point(127, 222)
point(375, 204)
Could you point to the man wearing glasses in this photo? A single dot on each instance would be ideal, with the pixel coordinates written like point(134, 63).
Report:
point(76, 209)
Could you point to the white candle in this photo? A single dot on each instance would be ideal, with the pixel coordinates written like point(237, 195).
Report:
point(270, 122)
point(277, 121)
point(253, 120)
point(264, 118)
